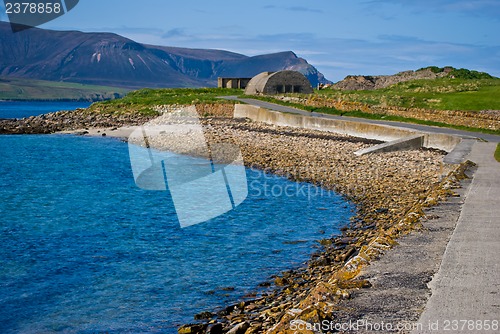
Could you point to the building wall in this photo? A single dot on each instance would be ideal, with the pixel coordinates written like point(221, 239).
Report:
point(287, 82)
point(234, 83)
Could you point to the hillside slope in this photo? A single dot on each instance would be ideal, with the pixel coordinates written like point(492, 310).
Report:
point(40, 90)
point(369, 82)
point(112, 60)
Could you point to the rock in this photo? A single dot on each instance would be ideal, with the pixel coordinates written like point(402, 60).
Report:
point(364, 82)
point(204, 316)
point(313, 316)
point(240, 328)
point(254, 329)
point(81, 133)
point(215, 329)
point(281, 281)
point(382, 210)
point(356, 284)
point(319, 262)
point(192, 329)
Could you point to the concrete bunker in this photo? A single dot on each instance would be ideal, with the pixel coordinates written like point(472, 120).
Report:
point(282, 82)
point(234, 83)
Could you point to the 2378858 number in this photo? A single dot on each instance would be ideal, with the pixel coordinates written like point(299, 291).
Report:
point(471, 325)
point(32, 8)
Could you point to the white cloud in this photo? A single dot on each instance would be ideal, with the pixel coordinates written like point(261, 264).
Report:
point(482, 8)
point(175, 33)
point(302, 9)
point(248, 51)
point(309, 52)
point(334, 64)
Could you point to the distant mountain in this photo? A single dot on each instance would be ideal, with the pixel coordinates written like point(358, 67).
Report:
point(112, 60)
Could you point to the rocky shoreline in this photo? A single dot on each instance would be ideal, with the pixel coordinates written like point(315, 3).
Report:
point(77, 120)
point(391, 191)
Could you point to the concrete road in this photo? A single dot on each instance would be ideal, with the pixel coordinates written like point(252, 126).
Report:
point(417, 127)
point(467, 285)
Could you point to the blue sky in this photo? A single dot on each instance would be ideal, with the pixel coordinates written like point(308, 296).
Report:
point(338, 37)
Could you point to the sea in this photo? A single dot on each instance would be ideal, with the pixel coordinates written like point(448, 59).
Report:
point(15, 109)
point(84, 250)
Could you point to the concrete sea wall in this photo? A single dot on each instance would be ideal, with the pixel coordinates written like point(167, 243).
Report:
point(357, 129)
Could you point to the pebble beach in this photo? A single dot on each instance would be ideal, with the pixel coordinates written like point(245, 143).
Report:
point(390, 190)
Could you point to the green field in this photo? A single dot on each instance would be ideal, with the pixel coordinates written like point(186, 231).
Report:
point(145, 99)
point(441, 94)
point(460, 89)
point(27, 89)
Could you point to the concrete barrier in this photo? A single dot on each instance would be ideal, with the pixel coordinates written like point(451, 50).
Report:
point(357, 129)
point(408, 143)
point(441, 141)
point(460, 152)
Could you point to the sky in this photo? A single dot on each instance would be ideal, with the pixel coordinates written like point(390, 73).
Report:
point(338, 37)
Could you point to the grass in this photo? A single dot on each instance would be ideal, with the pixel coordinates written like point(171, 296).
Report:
point(441, 94)
point(497, 153)
point(145, 100)
point(27, 89)
point(360, 114)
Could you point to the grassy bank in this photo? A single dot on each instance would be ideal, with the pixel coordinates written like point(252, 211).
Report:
point(440, 94)
point(361, 114)
point(145, 100)
point(39, 90)
point(497, 153)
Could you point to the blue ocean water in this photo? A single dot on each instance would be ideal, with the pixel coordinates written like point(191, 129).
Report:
point(83, 249)
point(15, 109)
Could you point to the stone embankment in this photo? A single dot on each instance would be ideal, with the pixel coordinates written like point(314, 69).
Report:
point(80, 119)
point(84, 119)
point(485, 119)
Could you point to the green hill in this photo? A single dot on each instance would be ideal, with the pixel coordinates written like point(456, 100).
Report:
point(442, 94)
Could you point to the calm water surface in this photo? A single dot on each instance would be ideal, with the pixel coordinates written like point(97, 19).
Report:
point(14, 109)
